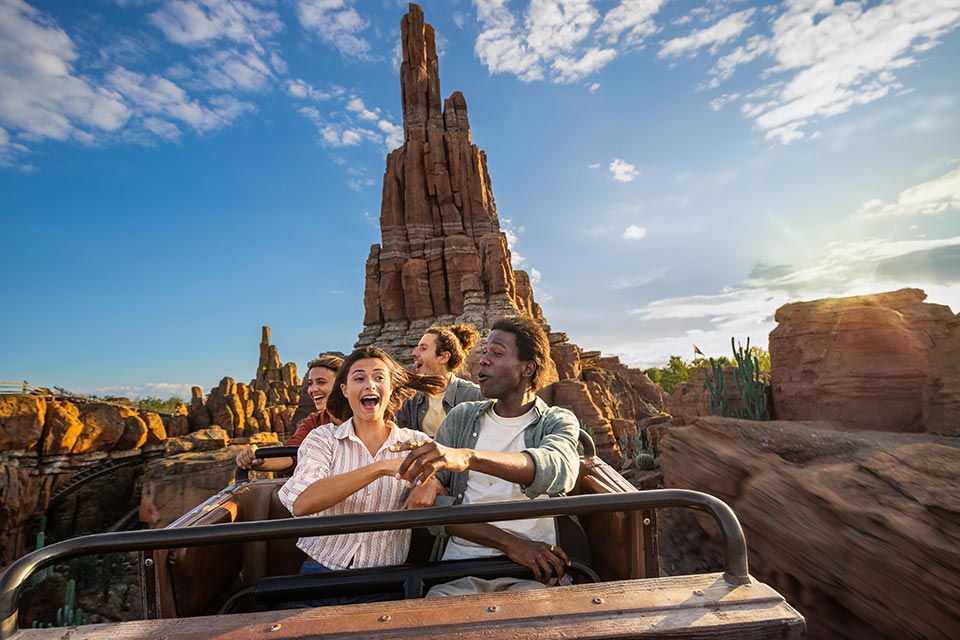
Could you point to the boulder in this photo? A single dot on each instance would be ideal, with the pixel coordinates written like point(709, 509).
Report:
point(63, 428)
point(857, 530)
point(156, 432)
point(103, 427)
point(23, 497)
point(174, 485)
point(204, 440)
point(941, 391)
point(860, 361)
point(134, 431)
point(21, 421)
point(197, 414)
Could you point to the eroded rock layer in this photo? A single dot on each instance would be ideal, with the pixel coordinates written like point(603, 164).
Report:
point(863, 362)
point(858, 530)
point(443, 258)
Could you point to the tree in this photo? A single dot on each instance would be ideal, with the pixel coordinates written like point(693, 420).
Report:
point(667, 377)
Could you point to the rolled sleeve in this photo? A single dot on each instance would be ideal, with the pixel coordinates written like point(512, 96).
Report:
point(314, 460)
point(556, 458)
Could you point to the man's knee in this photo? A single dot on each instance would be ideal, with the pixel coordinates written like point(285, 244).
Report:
point(471, 585)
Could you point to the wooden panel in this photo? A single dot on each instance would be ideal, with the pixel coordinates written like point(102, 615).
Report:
point(680, 607)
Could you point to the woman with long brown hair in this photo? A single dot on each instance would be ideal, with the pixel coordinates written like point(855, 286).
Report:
point(350, 469)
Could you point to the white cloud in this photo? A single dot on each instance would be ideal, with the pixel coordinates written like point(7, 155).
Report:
point(631, 20)
point(934, 196)
point(337, 24)
point(40, 93)
point(512, 234)
point(304, 90)
point(828, 58)
point(394, 134)
point(568, 69)
point(746, 309)
point(633, 232)
point(718, 103)
point(623, 171)
point(594, 165)
point(338, 134)
point(233, 70)
point(162, 129)
point(592, 88)
point(162, 390)
point(199, 22)
point(550, 44)
point(725, 30)
point(155, 95)
point(356, 106)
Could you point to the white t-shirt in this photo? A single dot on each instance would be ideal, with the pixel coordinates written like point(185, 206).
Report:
point(504, 435)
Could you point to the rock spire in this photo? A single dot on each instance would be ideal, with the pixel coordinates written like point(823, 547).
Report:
point(443, 257)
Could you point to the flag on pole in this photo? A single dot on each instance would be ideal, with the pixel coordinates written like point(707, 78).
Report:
point(697, 352)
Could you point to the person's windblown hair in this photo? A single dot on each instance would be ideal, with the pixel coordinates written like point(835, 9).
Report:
point(404, 383)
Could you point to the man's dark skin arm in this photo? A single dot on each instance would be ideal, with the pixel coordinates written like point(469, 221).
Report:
point(426, 459)
point(546, 561)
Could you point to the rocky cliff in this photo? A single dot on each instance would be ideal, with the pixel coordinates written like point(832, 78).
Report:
point(863, 361)
point(858, 530)
point(443, 258)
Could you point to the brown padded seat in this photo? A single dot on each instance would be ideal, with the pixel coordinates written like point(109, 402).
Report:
point(283, 556)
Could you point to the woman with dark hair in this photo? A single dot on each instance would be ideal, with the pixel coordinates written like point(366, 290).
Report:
point(320, 375)
point(440, 352)
point(350, 468)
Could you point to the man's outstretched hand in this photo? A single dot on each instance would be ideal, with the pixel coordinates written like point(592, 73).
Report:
point(427, 458)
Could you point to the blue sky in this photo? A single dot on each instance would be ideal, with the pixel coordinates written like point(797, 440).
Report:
point(176, 173)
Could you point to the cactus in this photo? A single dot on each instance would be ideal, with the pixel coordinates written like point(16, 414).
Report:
point(717, 386)
point(751, 384)
point(66, 613)
point(645, 461)
point(41, 541)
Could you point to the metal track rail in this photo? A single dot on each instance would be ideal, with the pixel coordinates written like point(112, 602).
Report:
point(734, 544)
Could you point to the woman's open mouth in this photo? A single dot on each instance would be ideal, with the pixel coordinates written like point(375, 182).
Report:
point(369, 402)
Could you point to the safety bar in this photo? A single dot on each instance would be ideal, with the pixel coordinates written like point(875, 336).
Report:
point(735, 570)
point(242, 475)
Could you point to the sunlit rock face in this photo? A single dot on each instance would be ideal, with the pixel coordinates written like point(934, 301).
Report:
point(863, 362)
point(858, 530)
point(443, 258)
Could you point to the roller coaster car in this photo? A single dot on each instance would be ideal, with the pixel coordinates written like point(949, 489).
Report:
point(224, 568)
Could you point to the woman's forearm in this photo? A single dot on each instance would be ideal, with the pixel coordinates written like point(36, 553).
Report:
point(326, 492)
point(275, 464)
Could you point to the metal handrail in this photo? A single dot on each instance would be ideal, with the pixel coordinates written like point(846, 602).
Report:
point(735, 570)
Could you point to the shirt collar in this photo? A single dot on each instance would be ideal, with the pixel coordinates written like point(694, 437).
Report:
point(346, 431)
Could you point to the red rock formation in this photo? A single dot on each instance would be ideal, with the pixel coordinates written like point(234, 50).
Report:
point(859, 361)
point(278, 381)
point(21, 421)
point(692, 398)
point(857, 530)
point(941, 391)
point(443, 257)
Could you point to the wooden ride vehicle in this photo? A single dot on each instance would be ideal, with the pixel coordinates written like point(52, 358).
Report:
point(226, 568)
